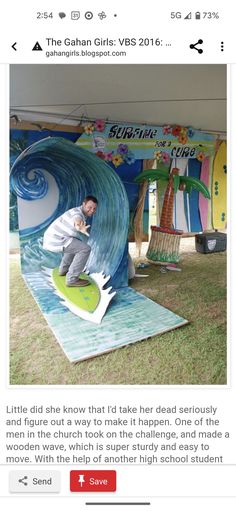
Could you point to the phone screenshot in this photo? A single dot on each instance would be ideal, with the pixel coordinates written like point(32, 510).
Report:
point(118, 278)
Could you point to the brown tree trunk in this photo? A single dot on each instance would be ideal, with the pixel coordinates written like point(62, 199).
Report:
point(168, 203)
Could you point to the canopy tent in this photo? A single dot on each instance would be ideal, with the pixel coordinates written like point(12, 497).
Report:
point(189, 95)
point(64, 97)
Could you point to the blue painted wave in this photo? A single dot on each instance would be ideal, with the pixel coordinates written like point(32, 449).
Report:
point(77, 173)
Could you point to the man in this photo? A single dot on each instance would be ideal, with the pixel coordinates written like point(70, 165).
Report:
point(63, 236)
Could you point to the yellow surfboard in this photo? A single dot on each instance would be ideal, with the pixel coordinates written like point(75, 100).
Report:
point(219, 189)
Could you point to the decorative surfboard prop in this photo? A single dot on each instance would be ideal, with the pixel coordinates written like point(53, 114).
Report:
point(219, 188)
point(191, 200)
point(88, 302)
point(204, 203)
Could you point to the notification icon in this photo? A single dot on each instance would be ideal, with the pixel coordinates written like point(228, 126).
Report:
point(75, 15)
point(88, 15)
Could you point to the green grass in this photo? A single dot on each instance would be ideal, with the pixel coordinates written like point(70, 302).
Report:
point(194, 354)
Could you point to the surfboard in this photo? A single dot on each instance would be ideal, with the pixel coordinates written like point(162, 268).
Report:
point(191, 200)
point(89, 302)
point(87, 298)
point(204, 203)
point(209, 215)
point(219, 188)
point(180, 221)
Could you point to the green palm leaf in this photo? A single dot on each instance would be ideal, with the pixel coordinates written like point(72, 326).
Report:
point(188, 188)
point(206, 149)
point(152, 175)
point(194, 183)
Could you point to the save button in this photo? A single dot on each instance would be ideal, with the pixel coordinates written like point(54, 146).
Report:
point(92, 480)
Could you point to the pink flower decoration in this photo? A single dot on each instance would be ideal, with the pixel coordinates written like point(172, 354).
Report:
point(166, 130)
point(165, 157)
point(100, 125)
point(109, 156)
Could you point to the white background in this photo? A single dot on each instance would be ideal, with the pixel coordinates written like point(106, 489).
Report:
point(175, 481)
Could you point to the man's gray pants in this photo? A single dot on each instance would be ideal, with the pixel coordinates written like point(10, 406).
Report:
point(74, 260)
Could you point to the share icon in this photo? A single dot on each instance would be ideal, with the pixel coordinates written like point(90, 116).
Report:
point(23, 480)
point(194, 46)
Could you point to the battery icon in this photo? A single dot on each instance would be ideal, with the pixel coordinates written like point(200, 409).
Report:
point(197, 15)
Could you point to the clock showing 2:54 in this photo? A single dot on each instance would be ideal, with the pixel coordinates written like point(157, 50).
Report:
point(44, 15)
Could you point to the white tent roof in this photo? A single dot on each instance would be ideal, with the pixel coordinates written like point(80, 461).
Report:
point(189, 95)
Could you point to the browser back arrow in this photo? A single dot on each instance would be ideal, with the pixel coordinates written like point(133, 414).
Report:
point(14, 46)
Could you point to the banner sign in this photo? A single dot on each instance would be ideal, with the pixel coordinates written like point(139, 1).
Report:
point(132, 142)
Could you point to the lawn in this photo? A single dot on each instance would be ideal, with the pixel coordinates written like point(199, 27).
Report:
point(192, 355)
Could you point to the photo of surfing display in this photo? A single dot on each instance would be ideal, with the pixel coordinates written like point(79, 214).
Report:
point(118, 224)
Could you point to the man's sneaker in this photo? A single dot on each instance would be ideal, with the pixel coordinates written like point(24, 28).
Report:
point(62, 273)
point(78, 283)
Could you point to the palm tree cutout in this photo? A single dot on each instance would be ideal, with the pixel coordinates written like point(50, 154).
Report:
point(165, 247)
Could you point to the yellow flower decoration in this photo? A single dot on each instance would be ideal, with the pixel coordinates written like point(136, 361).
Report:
point(200, 156)
point(158, 155)
point(117, 160)
point(88, 129)
point(183, 131)
point(182, 139)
